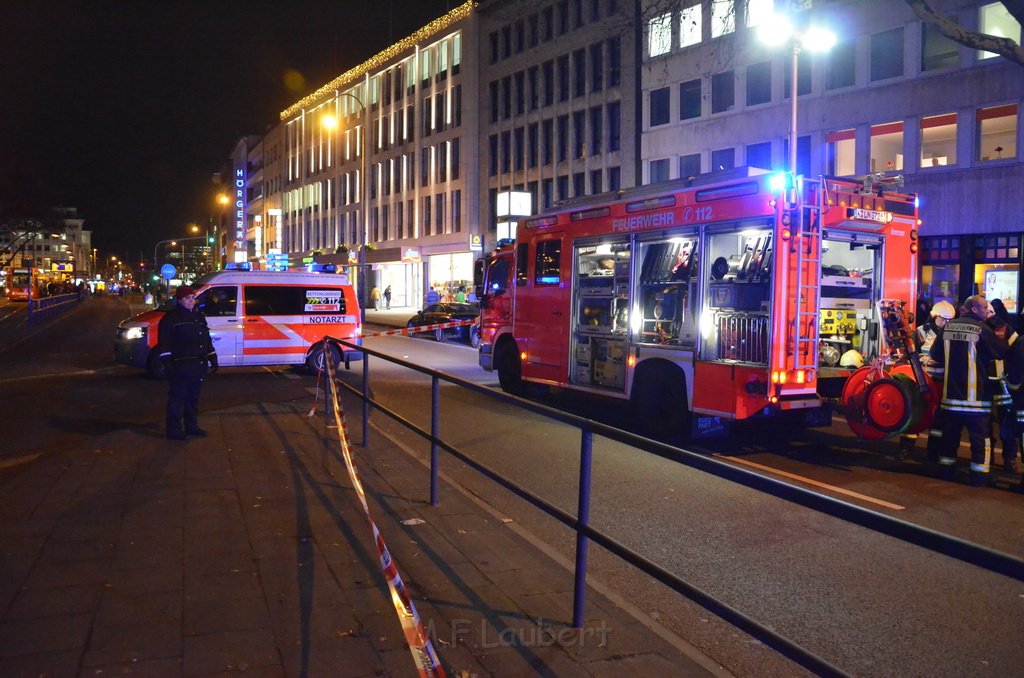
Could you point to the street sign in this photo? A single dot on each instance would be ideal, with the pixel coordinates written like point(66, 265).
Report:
point(168, 271)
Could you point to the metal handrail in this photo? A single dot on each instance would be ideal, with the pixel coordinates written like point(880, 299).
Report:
point(954, 547)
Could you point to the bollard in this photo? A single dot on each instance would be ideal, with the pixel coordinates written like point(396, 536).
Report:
point(582, 521)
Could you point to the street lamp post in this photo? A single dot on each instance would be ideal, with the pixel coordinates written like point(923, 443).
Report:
point(776, 31)
point(330, 123)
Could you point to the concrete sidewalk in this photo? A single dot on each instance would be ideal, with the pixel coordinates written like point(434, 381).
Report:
point(247, 550)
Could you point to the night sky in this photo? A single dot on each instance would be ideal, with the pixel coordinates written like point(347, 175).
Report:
point(125, 109)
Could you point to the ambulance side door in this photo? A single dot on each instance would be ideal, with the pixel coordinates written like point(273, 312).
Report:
point(219, 304)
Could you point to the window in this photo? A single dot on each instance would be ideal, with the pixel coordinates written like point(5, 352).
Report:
point(760, 155)
point(522, 261)
point(659, 109)
point(723, 92)
point(658, 171)
point(614, 126)
point(596, 130)
point(690, 26)
point(520, 95)
point(578, 137)
point(534, 96)
point(887, 147)
point(548, 264)
point(937, 51)
point(758, 11)
point(841, 70)
point(519, 141)
point(614, 62)
point(549, 82)
point(614, 178)
point(563, 187)
point(579, 72)
point(689, 165)
point(689, 100)
point(506, 151)
point(887, 54)
point(563, 78)
point(579, 186)
point(841, 150)
point(220, 301)
point(532, 146)
point(997, 132)
point(563, 17)
point(995, 19)
point(596, 68)
point(723, 17)
point(595, 181)
point(280, 300)
point(659, 35)
point(492, 155)
point(938, 140)
point(563, 138)
point(803, 154)
point(547, 147)
point(723, 159)
point(759, 83)
point(493, 41)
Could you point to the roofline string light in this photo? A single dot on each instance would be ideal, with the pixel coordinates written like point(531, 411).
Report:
point(380, 59)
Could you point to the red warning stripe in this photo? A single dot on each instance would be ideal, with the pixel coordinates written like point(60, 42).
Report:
point(421, 328)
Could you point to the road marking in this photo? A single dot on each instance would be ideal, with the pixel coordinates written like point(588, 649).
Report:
point(57, 375)
point(809, 481)
point(18, 461)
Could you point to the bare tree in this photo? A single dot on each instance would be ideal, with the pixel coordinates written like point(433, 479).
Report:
point(1004, 47)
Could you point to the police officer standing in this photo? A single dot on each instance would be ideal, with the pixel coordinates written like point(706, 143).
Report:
point(967, 349)
point(187, 353)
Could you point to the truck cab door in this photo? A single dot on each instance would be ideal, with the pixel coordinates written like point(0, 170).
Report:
point(543, 319)
point(220, 306)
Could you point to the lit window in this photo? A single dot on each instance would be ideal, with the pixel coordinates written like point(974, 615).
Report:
point(723, 17)
point(997, 132)
point(842, 153)
point(659, 35)
point(689, 26)
point(996, 20)
point(938, 140)
point(758, 11)
point(887, 147)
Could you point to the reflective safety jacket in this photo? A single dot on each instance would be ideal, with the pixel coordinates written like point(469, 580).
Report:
point(968, 349)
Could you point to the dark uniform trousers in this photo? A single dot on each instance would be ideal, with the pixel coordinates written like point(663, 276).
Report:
point(185, 380)
point(978, 427)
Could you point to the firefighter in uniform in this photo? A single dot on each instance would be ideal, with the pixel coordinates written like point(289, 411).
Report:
point(1002, 401)
point(187, 353)
point(941, 313)
point(967, 349)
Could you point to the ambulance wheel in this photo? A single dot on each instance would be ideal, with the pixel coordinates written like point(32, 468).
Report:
point(440, 336)
point(509, 368)
point(317, 361)
point(659, 400)
point(154, 366)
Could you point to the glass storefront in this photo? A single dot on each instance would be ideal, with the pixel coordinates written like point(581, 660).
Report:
point(450, 272)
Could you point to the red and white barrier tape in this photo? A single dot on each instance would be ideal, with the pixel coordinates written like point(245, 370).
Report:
point(421, 328)
point(427, 662)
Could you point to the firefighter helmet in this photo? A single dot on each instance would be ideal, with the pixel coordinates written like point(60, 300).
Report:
point(943, 309)
point(852, 358)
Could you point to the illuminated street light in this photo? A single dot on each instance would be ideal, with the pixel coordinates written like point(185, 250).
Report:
point(778, 30)
point(330, 122)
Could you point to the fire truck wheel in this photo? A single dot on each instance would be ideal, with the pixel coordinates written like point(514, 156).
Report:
point(659, 400)
point(315, 361)
point(509, 368)
point(155, 366)
point(474, 336)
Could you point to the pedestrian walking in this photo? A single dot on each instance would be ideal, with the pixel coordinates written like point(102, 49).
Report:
point(375, 298)
point(387, 297)
point(185, 348)
point(460, 296)
point(432, 297)
point(966, 350)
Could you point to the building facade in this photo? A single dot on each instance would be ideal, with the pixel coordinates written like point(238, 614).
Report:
point(893, 95)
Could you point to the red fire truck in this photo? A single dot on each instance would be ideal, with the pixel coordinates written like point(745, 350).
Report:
point(703, 301)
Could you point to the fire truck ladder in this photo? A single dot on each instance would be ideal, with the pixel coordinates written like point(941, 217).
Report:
point(808, 276)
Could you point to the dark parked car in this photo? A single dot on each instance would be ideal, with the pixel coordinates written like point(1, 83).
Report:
point(446, 313)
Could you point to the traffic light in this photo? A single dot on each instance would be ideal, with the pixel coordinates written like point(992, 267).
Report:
point(211, 239)
point(156, 277)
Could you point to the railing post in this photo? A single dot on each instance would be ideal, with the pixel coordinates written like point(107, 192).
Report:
point(435, 431)
point(366, 399)
point(582, 521)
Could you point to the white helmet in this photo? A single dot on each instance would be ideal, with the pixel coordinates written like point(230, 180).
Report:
point(852, 358)
point(943, 309)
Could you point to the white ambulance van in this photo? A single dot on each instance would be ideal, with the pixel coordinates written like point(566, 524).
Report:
point(258, 318)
